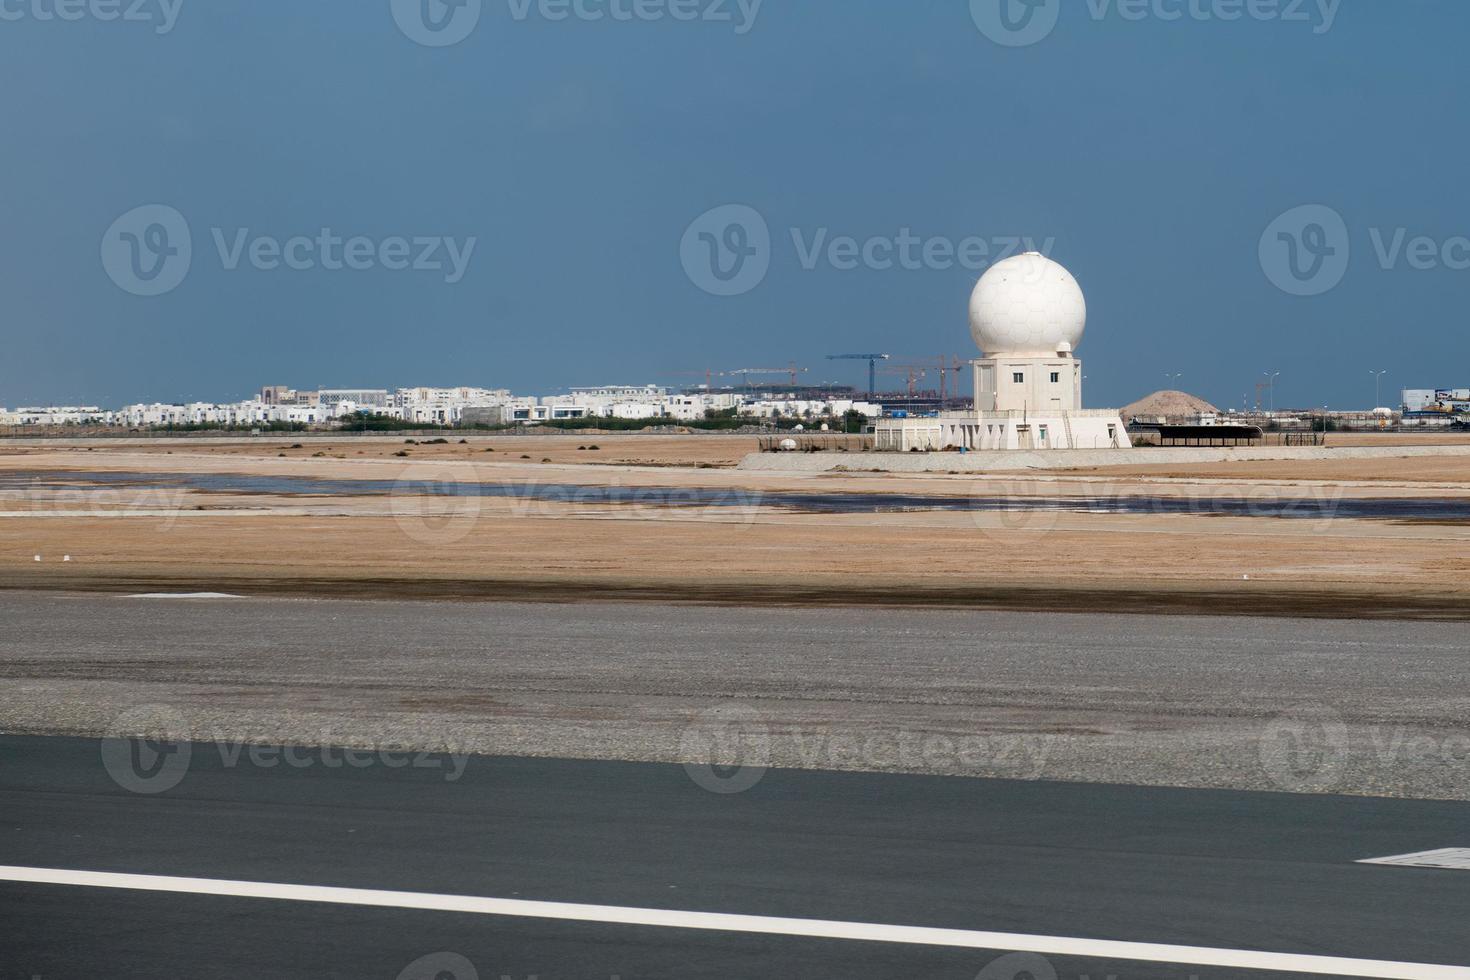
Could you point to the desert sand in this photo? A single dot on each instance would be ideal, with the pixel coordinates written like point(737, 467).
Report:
point(125, 539)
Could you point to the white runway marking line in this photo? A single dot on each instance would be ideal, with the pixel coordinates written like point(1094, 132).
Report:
point(767, 925)
point(1449, 858)
point(185, 595)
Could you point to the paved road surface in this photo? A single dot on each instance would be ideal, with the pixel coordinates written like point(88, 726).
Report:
point(1375, 708)
point(1199, 868)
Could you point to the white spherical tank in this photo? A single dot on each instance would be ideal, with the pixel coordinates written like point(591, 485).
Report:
point(1027, 304)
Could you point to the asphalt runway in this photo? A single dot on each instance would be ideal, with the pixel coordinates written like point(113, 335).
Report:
point(1213, 870)
point(1314, 706)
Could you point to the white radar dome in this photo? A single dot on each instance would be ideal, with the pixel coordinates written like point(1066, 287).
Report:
point(1027, 304)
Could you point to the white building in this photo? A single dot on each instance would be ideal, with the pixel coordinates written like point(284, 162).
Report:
point(443, 406)
point(798, 408)
point(366, 397)
point(57, 415)
point(1027, 314)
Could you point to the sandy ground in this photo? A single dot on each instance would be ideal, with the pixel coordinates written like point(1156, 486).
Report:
point(618, 450)
point(1419, 469)
point(123, 539)
point(1156, 563)
point(1447, 476)
point(649, 452)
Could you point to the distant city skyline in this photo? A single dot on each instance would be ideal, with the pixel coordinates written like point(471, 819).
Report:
point(323, 194)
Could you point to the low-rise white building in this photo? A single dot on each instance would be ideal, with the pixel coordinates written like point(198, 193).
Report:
point(59, 415)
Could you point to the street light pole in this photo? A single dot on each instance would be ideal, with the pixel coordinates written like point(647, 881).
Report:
point(1378, 386)
point(1271, 378)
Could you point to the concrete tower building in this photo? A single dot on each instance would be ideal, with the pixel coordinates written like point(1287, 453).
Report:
point(1027, 315)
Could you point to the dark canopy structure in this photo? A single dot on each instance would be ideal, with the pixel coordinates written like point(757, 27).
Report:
point(1209, 435)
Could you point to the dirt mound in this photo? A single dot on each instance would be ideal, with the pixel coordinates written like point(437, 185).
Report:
point(1168, 404)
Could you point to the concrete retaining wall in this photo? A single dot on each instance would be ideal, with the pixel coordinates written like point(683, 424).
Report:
point(1066, 459)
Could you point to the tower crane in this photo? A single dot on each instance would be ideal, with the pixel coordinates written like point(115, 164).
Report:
point(790, 371)
point(708, 374)
point(872, 360)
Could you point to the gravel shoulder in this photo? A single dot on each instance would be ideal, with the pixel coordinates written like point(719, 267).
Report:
point(1360, 708)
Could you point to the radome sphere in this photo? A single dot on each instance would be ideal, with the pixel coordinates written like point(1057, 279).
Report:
point(1027, 304)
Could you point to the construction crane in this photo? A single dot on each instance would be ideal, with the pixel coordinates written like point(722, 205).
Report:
point(915, 373)
point(791, 371)
point(945, 365)
point(872, 360)
point(708, 374)
point(955, 366)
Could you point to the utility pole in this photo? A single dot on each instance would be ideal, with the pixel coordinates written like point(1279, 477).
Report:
point(1271, 380)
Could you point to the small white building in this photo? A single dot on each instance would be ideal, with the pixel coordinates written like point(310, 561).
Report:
point(1027, 314)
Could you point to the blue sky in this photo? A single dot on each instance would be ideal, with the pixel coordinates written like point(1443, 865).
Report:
point(1149, 154)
